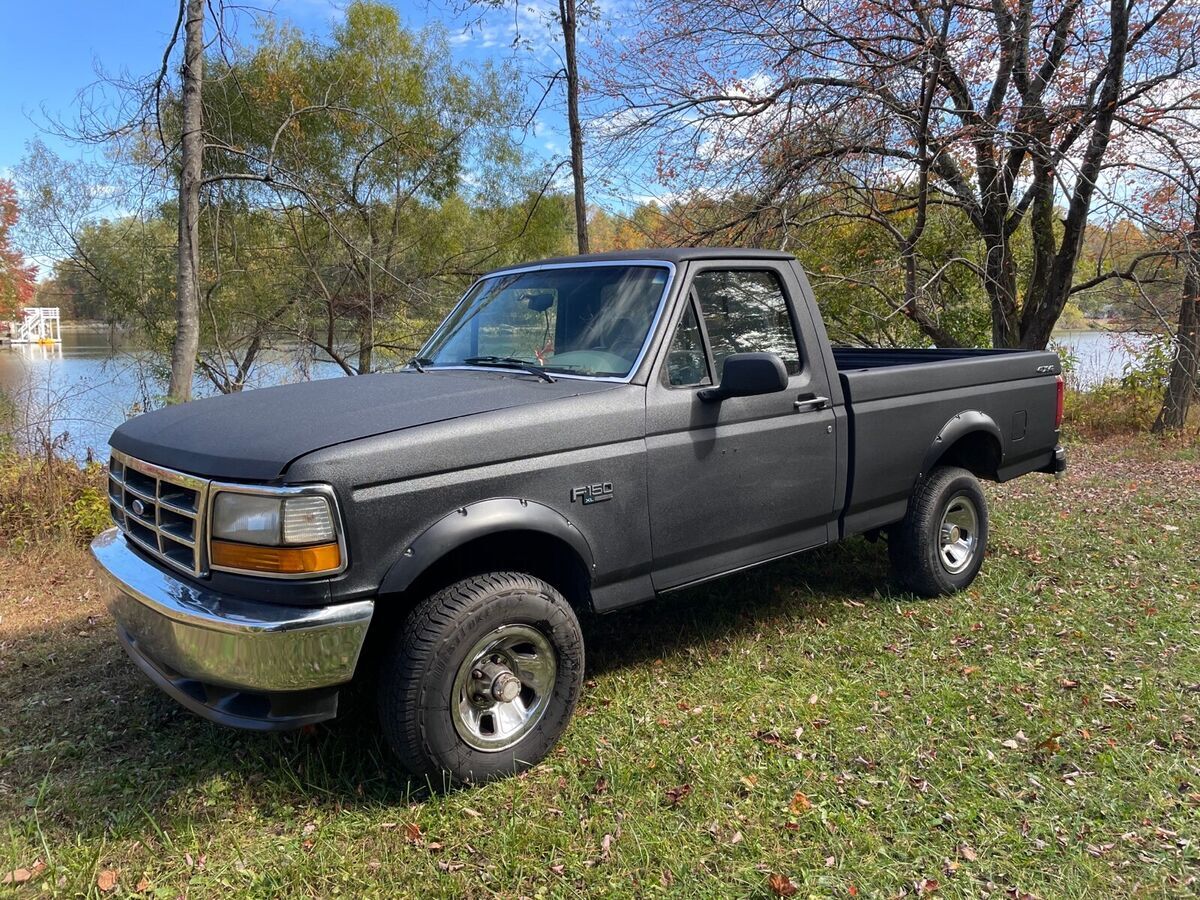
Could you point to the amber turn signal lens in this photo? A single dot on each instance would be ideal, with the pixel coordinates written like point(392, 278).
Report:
point(278, 560)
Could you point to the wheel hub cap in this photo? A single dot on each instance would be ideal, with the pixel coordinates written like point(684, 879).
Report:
point(503, 687)
point(958, 538)
point(506, 687)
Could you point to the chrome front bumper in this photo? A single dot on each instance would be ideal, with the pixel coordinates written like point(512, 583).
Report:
point(238, 662)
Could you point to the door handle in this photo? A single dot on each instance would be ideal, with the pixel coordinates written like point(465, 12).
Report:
point(809, 404)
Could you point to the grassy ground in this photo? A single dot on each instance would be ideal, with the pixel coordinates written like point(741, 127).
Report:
point(801, 728)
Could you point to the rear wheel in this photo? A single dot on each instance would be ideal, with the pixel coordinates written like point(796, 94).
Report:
point(482, 679)
point(939, 546)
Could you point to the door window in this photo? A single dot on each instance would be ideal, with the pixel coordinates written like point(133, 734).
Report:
point(745, 311)
point(687, 364)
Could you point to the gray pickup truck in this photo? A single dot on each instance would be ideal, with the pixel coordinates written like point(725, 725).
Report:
point(579, 435)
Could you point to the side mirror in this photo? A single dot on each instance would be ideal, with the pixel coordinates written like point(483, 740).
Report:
point(747, 375)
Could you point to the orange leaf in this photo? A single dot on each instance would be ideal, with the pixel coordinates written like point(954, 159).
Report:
point(20, 876)
point(800, 802)
point(107, 880)
point(781, 885)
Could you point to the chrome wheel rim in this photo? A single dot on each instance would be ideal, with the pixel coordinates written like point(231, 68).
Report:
point(503, 687)
point(958, 536)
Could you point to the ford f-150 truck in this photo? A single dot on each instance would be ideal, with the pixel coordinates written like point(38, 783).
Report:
point(577, 436)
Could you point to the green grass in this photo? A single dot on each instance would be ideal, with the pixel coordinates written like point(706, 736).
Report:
point(1036, 735)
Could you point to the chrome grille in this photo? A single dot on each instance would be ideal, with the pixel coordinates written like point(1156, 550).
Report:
point(160, 510)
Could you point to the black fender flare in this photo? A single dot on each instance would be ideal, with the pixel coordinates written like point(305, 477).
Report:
point(967, 422)
point(476, 520)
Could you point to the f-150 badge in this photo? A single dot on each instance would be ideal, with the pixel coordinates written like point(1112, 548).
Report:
point(592, 493)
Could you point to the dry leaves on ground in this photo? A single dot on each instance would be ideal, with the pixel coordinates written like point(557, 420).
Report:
point(20, 876)
point(781, 885)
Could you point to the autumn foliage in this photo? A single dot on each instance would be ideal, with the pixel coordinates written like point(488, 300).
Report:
point(16, 274)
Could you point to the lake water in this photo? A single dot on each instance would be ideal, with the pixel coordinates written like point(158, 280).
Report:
point(78, 392)
point(1100, 355)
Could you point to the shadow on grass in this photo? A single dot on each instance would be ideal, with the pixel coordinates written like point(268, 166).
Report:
point(95, 748)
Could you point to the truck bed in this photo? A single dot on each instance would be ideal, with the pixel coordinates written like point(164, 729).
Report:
point(900, 402)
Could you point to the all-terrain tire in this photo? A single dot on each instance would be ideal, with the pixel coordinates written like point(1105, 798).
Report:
point(421, 692)
point(947, 503)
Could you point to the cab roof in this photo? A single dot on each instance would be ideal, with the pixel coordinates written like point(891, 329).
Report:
point(667, 254)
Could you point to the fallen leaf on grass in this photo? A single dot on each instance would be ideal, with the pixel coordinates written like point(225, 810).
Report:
point(677, 795)
point(412, 832)
point(781, 885)
point(800, 802)
point(968, 853)
point(20, 876)
point(1050, 744)
point(771, 738)
point(107, 880)
point(143, 885)
point(927, 886)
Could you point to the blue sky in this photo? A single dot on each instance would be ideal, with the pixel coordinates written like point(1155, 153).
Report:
point(49, 50)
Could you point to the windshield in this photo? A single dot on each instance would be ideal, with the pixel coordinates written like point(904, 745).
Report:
point(579, 320)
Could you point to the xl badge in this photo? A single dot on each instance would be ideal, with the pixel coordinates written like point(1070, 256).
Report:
point(592, 493)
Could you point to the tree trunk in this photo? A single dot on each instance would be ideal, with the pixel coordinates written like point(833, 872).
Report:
point(187, 289)
point(566, 9)
point(1186, 366)
point(366, 346)
point(1001, 286)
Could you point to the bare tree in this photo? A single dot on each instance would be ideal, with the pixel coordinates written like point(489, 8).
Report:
point(187, 292)
point(1011, 113)
point(569, 21)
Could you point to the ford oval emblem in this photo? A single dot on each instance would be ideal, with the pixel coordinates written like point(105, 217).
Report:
point(138, 507)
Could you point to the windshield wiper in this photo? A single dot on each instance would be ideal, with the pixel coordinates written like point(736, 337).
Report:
point(510, 362)
point(419, 363)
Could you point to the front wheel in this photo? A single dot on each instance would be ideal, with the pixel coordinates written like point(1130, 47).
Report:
point(482, 679)
point(939, 546)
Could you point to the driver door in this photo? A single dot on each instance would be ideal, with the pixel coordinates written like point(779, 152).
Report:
point(746, 479)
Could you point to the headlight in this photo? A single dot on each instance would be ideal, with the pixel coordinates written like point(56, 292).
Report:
point(293, 534)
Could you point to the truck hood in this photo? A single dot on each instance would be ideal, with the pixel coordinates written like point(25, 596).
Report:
point(255, 435)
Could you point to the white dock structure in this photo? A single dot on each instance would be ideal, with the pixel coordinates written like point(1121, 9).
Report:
point(37, 325)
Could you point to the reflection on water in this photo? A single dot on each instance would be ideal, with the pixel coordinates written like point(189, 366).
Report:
point(77, 392)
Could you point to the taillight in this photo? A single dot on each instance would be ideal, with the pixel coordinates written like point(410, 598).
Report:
point(1061, 387)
